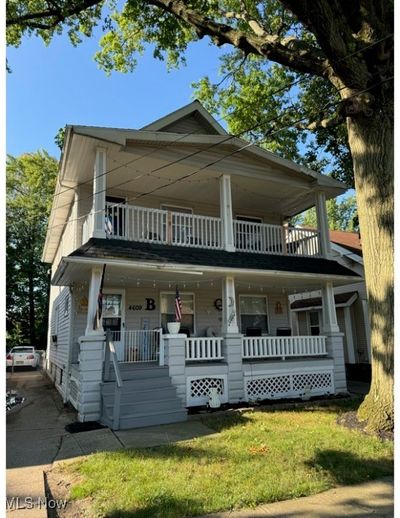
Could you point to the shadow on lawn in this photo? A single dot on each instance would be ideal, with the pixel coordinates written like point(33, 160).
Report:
point(163, 506)
point(347, 468)
point(172, 451)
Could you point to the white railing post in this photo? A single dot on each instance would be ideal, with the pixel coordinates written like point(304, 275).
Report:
point(162, 349)
point(323, 225)
point(226, 213)
point(99, 193)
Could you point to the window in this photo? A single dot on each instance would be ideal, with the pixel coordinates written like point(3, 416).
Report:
point(249, 219)
point(253, 312)
point(56, 318)
point(168, 310)
point(112, 313)
point(181, 230)
point(314, 323)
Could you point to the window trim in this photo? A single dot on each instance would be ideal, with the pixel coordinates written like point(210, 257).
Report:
point(266, 305)
point(249, 218)
point(180, 293)
point(172, 206)
point(117, 291)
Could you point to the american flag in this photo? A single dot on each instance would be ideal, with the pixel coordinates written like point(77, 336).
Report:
point(99, 311)
point(178, 306)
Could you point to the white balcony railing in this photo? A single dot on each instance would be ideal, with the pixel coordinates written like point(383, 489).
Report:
point(195, 231)
point(161, 226)
point(203, 349)
point(275, 239)
point(139, 346)
point(283, 346)
point(149, 225)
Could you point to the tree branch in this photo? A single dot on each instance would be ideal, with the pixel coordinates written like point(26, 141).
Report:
point(307, 60)
point(57, 15)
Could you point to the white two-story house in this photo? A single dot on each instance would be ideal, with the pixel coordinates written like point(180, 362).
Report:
point(181, 204)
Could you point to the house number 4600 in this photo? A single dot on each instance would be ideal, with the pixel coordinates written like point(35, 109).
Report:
point(150, 306)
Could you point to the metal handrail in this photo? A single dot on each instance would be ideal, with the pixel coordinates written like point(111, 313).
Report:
point(110, 352)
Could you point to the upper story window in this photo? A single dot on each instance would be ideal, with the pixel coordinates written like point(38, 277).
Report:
point(168, 310)
point(253, 313)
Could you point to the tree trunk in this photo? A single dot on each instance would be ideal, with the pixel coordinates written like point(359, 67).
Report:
point(371, 144)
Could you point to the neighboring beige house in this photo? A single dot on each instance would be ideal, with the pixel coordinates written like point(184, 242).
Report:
point(180, 203)
point(351, 307)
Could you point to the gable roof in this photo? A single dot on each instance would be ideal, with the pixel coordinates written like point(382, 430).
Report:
point(349, 240)
point(193, 117)
point(340, 299)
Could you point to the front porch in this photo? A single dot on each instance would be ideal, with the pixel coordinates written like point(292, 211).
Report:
point(236, 337)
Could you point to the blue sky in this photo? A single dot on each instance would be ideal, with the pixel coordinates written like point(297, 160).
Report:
point(56, 85)
point(61, 84)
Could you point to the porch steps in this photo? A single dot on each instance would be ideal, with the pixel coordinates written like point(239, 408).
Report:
point(148, 398)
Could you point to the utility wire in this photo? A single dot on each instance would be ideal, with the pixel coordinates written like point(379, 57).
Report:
point(229, 137)
point(250, 144)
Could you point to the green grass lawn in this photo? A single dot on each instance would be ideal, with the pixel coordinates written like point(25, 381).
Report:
point(257, 457)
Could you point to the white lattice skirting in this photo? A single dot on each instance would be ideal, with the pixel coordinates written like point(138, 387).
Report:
point(74, 392)
point(198, 389)
point(288, 385)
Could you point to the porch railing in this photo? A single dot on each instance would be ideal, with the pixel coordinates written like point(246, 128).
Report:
point(195, 231)
point(150, 225)
point(140, 346)
point(162, 226)
point(203, 349)
point(283, 346)
point(275, 239)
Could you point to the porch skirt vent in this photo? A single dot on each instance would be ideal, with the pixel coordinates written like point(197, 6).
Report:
point(198, 389)
point(289, 385)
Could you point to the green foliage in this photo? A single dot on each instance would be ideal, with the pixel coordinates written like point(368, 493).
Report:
point(342, 215)
point(29, 189)
point(59, 138)
point(270, 100)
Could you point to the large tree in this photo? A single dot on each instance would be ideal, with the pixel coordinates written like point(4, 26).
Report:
point(344, 44)
point(29, 191)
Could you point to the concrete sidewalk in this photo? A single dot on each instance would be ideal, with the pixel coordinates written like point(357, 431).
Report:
point(369, 499)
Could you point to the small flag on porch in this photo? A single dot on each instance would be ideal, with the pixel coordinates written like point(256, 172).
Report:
point(178, 306)
point(99, 310)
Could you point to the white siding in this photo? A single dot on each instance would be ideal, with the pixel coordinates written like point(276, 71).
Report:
point(60, 322)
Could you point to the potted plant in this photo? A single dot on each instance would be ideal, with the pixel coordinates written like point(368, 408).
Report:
point(173, 327)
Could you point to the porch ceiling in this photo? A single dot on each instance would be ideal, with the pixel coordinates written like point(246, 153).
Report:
point(258, 182)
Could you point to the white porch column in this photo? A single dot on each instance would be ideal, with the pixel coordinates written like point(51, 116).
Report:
point(329, 320)
point(323, 226)
point(334, 338)
point(94, 288)
point(226, 212)
point(99, 193)
point(229, 314)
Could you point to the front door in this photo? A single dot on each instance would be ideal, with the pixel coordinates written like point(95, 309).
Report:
point(113, 318)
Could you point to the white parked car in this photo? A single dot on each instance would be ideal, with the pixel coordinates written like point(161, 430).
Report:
point(23, 356)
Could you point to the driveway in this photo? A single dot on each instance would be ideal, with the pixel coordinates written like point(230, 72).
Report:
point(34, 435)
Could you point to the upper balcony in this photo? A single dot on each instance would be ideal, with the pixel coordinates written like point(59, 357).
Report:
point(149, 225)
point(238, 196)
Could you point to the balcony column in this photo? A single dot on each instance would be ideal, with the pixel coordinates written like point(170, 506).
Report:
point(99, 192)
point(228, 240)
point(323, 225)
point(229, 314)
point(334, 338)
point(94, 288)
